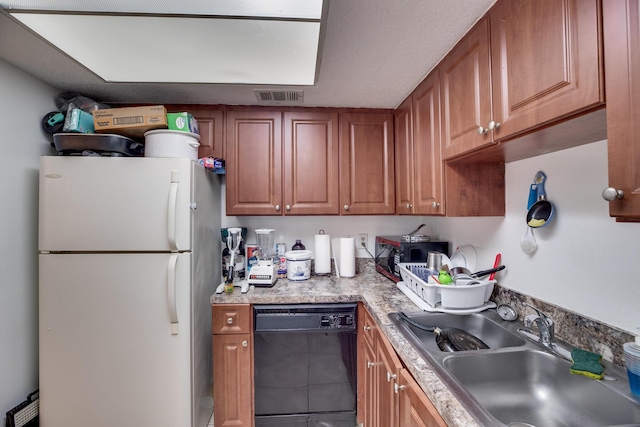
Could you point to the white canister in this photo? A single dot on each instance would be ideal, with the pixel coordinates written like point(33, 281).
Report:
point(171, 143)
point(298, 265)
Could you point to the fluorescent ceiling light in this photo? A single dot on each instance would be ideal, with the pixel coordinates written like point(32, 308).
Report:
point(228, 42)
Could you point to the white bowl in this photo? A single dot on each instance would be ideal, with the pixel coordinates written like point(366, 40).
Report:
point(171, 143)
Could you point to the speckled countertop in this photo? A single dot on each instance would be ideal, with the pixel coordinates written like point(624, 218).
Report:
point(381, 297)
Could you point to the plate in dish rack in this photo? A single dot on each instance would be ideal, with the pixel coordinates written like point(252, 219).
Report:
point(465, 256)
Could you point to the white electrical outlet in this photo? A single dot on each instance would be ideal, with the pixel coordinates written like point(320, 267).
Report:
point(363, 239)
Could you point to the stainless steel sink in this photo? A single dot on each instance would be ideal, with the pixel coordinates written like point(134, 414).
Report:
point(533, 387)
point(490, 332)
point(519, 383)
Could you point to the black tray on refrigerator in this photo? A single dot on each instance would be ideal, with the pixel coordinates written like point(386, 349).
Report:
point(67, 144)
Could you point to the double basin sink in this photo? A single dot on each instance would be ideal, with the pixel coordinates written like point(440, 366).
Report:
point(518, 382)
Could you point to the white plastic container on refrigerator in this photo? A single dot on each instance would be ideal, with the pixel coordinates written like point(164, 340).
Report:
point(129, 257)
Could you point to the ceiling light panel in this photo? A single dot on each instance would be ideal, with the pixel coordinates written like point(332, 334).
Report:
point(298, 9)
point(122, 48)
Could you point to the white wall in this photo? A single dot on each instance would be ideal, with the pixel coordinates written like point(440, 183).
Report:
point(23, 103)
point(585, 262)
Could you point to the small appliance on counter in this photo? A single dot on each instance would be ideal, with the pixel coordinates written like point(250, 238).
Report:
point(392, 250)
point(265, 272)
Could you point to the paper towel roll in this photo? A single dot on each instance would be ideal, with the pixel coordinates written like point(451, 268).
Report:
point(323, 254)
point(347, 257)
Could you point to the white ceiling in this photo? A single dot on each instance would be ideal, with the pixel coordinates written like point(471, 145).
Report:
point(375, 52)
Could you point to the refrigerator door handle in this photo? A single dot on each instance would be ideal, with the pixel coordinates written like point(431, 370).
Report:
point(173, 206)
point(171, 293)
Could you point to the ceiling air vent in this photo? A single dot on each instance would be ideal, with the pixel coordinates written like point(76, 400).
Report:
point(279, 95)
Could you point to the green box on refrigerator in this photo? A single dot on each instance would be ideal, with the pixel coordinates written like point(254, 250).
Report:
point(182, 121)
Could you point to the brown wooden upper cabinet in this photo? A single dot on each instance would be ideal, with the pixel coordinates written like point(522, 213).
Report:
point(282, 163)
point(311, 163)
point(622, 67)
point(419, 179)
point(210, 120)
point(530, 63)
point(367, 164)
point(254, 162)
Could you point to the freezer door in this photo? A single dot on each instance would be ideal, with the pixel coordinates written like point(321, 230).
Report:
point(115, 204)
point(115, 340)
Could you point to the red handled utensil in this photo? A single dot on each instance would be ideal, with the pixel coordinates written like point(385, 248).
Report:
point(495, 265)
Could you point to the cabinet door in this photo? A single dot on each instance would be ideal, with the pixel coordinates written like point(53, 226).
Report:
point(546, 62)
point(416, 410)
point(403, 128)
point(369, 417)
point(210, 124)
point(622, 68)
point(367, 404)
point(311, 163)
point(232, 380)
point(466, 93)
point(387, 370)
point(367, 164)
point(428, 189)
point(254, 162)
point(211, 128)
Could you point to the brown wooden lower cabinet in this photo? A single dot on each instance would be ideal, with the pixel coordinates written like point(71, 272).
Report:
point(232, 366)
point(415, 408)
point(388, 394)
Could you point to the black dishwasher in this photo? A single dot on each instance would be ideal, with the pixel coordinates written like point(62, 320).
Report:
point(305, 371)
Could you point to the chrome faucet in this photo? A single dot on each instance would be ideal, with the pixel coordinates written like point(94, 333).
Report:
point(544, 324)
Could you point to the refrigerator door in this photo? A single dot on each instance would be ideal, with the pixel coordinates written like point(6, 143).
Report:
point(115, 340)
point(115, 204)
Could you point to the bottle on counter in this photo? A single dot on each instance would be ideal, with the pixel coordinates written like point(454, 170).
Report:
point(298, 246)
point(281, 249)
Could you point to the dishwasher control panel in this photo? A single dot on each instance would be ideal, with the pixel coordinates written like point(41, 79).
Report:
point(305, 317)
point(337, 320)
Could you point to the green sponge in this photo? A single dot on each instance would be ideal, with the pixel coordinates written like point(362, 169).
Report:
point(587, 364)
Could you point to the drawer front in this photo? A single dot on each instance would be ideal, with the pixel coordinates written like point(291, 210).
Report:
point(231, 318)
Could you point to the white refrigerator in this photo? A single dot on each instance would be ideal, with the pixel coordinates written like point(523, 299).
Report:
point(129, 257)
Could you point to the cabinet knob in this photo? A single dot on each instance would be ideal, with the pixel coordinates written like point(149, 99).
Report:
point(346, 207)
point(493, 125)
point(409, 205)
point(435, 204)
point(277, 208)
point(288, 208)
point(370, 365)
point(390, 376)
point(610, 194)
point(482, 131)
point(245, 343)
point(230, 320)
point(397, 388)
point(366, 328)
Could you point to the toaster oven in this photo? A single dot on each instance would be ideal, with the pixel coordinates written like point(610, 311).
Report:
point(392, 250)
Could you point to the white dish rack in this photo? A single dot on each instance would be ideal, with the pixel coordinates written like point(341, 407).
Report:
point(470, 298)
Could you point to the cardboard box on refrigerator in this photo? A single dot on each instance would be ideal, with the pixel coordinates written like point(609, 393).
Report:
point(130, 121)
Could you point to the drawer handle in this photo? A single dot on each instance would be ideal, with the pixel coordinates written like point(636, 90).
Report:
point(230, 321)
point(245, 343)
point(397, 387)
point(391, 376)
